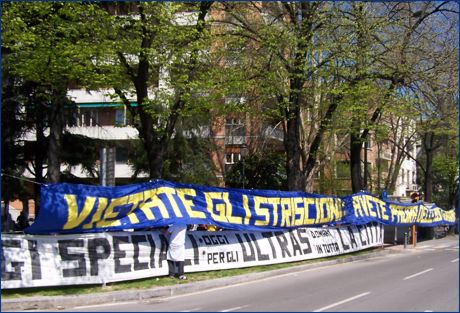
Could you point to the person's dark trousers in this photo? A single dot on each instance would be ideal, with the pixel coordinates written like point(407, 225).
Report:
point(172, 268)
point(180, 268)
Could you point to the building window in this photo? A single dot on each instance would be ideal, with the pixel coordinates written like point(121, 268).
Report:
point(368, 142)
point(402, 176)
point(120, 117)
point(414, 178)
point(235, 131)
point(88, 118)
point(232, 158)
point(121, 155)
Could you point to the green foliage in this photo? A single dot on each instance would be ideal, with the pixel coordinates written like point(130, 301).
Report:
point(48, 42)
point(264, 170)
point(187, 159)
point(445, 180)
point(82, 150)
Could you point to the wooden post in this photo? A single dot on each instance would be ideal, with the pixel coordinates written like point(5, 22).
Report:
point(414, 238)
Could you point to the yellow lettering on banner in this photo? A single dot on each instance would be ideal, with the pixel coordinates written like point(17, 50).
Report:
point(448, 216)
point(383, 210)
point(275, 204)
point(404, 214)
point(98, 215)
point(335, 207)
point(248, 214)
point(428, 215)
point(221, 208)
point(359, 208)
point(325, 208)
point(422, 214)
point(369, 202)
point(110, 216)
point(438, 215)
point(135, 200)
point(298, 211)
point(225, 209)
point(411, 214)
point(73, 218)
point(231, 218)
point(306, 202)
point(319, 211)
point(151, 200)
point(188, 203)
point(286, 212)
point(265, 212)
point(169, 192)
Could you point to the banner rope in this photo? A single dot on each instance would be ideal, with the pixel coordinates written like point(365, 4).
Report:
point(25, 179)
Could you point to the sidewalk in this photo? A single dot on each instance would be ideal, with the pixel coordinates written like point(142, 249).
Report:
point(61, 302)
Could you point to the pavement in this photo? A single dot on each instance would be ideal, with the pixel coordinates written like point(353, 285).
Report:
point(53, 303)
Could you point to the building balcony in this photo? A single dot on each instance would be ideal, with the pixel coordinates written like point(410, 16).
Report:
point(106, 132)
point(385, 155)
point(273, 133)
point(235, 140)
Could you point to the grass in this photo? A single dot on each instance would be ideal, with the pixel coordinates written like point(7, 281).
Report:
point(152, 282)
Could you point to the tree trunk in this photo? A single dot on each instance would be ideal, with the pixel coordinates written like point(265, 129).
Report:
point(54, 140)
point(40, 155)
point(428, 140)
point(355, 163)
point(293, 154)
point(156, 142)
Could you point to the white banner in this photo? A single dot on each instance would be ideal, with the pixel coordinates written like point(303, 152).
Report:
point(33, 260)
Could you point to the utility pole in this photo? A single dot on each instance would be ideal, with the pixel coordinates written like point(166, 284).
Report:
point(107, 167)
point(366, 145)
point(243, 152)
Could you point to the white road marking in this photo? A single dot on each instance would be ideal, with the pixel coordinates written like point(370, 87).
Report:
point(424, 247)
point(191, 310)
point(417, 274)
point(245, 283)
point(452, 249)
point(342, 302)
point(103, 304)
point(234, 309)
point(442, 246)
point(427, 311)
point(453, 261)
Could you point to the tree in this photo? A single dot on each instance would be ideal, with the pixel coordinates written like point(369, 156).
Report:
point(45, 43)
point(13, 128)
point(263, 170)
point(391, 52)
point(292, 67)
point(438, 125)
point(436, 90)
point(187, 158)
point(144, 45)
point(45, 49)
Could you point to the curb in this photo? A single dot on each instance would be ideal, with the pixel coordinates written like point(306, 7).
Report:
point(66, 302)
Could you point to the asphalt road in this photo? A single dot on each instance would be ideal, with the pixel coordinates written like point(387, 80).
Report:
point(425, 279)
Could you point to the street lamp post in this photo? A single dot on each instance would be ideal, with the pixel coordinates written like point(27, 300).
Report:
point(243, 152)
point(366, 146)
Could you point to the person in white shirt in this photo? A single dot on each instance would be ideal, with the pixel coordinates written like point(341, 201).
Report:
point(176, 250)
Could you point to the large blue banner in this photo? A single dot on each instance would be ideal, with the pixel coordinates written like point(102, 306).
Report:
point(72, 208)
point(363, 208)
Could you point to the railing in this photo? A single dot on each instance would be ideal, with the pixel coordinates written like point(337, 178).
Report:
point(235, 140)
